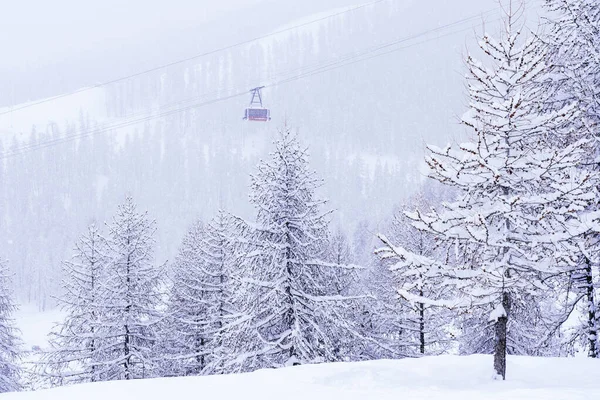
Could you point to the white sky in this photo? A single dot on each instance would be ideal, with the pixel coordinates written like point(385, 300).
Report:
point(49, 47)
point(45, 30)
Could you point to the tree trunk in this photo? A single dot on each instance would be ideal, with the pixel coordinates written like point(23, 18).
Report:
point(290, 314)
point(422, 325)
point(500, 346)
point(126, 351)
point(202, 356)
point(93, 313)
point(221, 296)
point(591, 307)
point(127, 344)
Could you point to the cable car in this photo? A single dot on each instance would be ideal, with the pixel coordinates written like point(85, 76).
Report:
point(256, 111)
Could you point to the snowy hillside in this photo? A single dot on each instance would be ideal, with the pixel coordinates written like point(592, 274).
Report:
point(431, 378)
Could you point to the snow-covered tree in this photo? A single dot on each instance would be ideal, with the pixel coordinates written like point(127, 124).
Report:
point(77, 344)
point(291, 310)
point(573, 40)
point(183, 331)
point(10, 351)
point(379, 315)
point(200, 299)
point(133, 284)
point(424, 325)
point(520, 195)
point(364, 311)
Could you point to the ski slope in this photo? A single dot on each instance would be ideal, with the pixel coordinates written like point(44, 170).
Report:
point(432, 378)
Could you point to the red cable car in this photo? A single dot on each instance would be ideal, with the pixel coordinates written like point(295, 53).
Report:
point(256, 111)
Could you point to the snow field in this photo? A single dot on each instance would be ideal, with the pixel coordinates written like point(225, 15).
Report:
point(431, 378)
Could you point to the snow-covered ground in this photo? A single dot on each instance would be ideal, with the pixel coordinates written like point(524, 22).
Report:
point(431, 378)
point(35, 325)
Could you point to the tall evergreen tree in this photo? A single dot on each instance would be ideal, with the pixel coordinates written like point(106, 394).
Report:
point(200, 299)
point(573, 40)
point(76, 346)
point(424, 325)
point(10, 351)
point(518, 190)
point(133, 285)
point(289, 307)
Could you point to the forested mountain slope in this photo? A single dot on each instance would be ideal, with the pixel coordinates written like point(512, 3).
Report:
point(365, 89)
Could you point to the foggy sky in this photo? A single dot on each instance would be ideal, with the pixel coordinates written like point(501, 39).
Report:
point(75, 43)
point(52, 47)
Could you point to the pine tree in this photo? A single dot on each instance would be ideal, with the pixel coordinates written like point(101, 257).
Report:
point(200, 299)
point(221, 254)
point(574, 47)
point(289, 307)
point(76, 346)
point(187, 330)
point(360, 309)
point(376, 314)
point(425, 326)
point(518, 190)
point(10, 351)
point(133, 285)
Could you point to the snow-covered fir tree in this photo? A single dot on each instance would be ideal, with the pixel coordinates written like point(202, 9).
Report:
point(379, 315)
point(573, 39)
point(78, 342)
point(10, 343)
point(520, 194)
point(186, 333)
point(424, 325)
point(200, 300)
point(291, 311)
point(348, 281)
point(133, 300)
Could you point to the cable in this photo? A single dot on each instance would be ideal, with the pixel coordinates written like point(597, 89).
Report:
point(328, 66)
point(181, 61)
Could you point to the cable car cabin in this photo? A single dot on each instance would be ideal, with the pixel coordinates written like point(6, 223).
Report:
point(257, 114)
point(256, 111)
